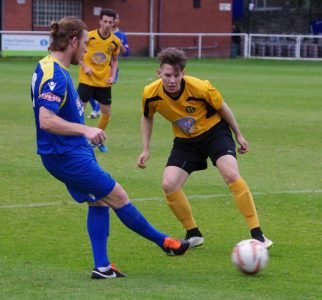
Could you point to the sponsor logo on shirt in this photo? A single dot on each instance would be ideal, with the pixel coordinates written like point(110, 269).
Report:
point(50, 97)
point(99, 58)
point(187, 125)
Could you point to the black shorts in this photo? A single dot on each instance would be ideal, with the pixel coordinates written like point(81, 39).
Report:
point(102, 94)
point(192, 154)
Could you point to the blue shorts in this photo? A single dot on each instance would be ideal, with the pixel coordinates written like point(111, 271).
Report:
point(81, 173)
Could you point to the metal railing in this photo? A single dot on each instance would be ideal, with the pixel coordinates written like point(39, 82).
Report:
point(282, 46)
point(272, 46)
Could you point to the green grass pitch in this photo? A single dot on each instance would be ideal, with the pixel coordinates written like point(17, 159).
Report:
point(44, 248)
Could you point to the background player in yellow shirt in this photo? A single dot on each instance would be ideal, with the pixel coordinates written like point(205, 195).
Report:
point(99, 66)
point(124, 50)
point(202, 124)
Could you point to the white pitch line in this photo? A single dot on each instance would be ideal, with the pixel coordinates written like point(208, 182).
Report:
point(32, 205)
point(229, 195)
point(308, 191)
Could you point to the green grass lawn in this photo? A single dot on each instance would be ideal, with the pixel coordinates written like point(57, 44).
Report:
point(44, 248)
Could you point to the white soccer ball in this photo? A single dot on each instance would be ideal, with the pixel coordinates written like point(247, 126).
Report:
point(250, 256)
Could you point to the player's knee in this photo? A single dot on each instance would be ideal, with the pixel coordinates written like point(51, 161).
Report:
point(97, 203)
point(117, 198)
point(231, 177)
point(169, 186)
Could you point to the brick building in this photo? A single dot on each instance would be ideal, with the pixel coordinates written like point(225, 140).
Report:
point(159, 16)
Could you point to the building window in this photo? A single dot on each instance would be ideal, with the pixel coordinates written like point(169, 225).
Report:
point(268, 4)
point(46, 11)
point(196, 3)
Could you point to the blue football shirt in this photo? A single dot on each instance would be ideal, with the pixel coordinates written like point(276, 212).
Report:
point(53, 88)
point(122, 36)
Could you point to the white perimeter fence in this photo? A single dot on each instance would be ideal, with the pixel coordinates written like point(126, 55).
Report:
point(269, 46)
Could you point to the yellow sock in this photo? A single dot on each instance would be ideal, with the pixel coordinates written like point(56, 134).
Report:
point(244, 200)
point(103, 121)
point(181, 208)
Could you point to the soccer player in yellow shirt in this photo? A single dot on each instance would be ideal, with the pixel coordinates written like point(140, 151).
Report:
point(202, 123)
point(99, 66)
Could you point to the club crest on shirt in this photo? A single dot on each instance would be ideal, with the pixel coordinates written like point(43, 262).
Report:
point(186, 124)
point(110, 49)
point(99, 58)
point(190, 109)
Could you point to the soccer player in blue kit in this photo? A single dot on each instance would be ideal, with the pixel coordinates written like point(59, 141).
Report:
point(125, 49)
point(63, 143)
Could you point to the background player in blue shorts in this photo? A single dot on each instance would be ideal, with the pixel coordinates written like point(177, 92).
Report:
point(63, 142)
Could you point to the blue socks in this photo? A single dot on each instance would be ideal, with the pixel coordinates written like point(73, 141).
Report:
point(98, 228)
point(133, 219)
point(95, 105)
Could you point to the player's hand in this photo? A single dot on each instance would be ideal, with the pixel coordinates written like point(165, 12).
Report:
point(143, 157)
point(243, 144)
point(110, 80)
point(88, 71)
point(96, 136)
point(122, 49)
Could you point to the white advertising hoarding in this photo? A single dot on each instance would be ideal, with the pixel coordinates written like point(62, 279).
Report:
point(24, 42)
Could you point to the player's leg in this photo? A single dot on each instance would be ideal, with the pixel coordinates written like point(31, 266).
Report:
point(172, 184)
point(104, 97)
point(98, 229)
point(85, 185)
point(92, 183)
point(105, 117)
point(85, 92)
point(134, 220)
point(175, 175)
point(228, 168)
point(222, 151)
point(102, 123)
point(95, 109)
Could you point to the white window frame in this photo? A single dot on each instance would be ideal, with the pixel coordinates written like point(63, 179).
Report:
point(46, 11)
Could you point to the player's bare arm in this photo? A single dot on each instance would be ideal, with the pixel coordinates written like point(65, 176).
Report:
point(114, 67)
point(228, 116)
point(52, 123)
point(86, 68)
point(122, 49)
point(146, 131)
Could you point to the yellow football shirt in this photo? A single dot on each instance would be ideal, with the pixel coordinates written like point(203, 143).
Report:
point(192, 113)
point(98, 57)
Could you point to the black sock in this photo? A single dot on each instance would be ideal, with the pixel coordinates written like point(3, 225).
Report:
point(193, 232)
point(257, 234)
